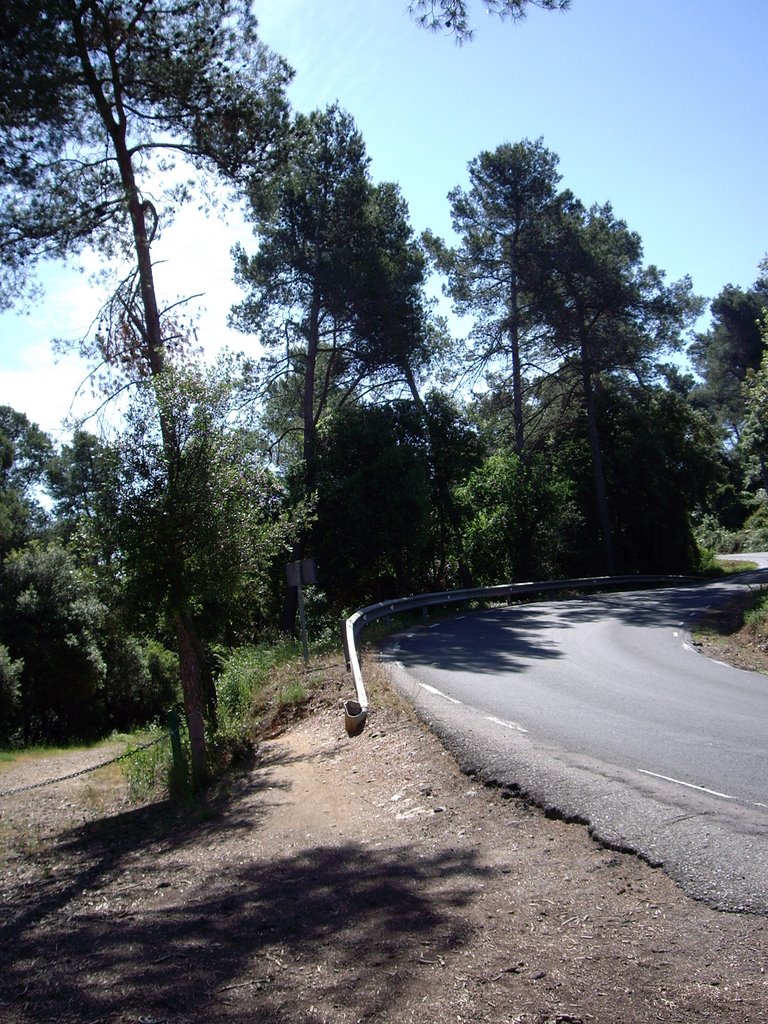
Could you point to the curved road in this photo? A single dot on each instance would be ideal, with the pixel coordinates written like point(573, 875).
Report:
point(601, 710)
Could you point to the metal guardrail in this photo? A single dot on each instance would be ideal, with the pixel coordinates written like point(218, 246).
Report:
point(356, 711)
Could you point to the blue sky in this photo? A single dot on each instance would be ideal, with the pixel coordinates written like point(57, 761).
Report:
point(656, 106)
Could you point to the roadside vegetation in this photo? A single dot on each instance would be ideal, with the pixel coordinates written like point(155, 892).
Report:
point(737, 632)
point(581, 426)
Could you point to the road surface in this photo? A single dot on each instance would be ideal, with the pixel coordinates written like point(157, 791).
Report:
point(601, 710)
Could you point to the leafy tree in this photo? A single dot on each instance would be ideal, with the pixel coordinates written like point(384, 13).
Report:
point(453, 15)
point(520, 518)
point(142, 680)
point(334, 289)
point(24, 454)
point(97, 100)
point(608, 316)
point(455, 449)
point(724, 355)
point(334, 292)
point(501, 220)
point(99, 97)
point(50, 621)
point(755, 432)
point(10, 696)
point(662, 464)
point(205, 543)
point(81, 480)
point(373, 532)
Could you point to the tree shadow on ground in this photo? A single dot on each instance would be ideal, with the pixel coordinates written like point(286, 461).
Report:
point(222, 942)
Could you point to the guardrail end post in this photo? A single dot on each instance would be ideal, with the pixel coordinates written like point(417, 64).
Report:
point(355, 716)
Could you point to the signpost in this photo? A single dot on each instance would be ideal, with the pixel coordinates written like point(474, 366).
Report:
point(298, 574)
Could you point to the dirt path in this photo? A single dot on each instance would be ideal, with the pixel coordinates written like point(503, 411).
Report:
point(345, 881)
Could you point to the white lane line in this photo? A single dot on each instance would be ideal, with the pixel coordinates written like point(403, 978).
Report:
point(507, 725)
point(438, 693)
point(688, 785)
point(488, 718)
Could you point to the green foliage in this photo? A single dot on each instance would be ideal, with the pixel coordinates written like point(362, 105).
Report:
point(25, 452)
point(662, 462)
point(242, 682)
point(142, 681)
point(334, 289)
point(502, 221)
point(10, 696)
point(251, 686)
point(372, 537)
point(82, 480)
point(198, 520)
point(725, 354)
point(150, 768)
point(754, 437)
point(754, 534)
point(756, 618)
point(51, 619)
point(293, 693)
point(99, 94)
point(712, 539)
point(163, 669)
point(519, 517)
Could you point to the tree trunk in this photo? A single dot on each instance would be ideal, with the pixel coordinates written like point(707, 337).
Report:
point(197, 687)
point(601, 496)
point(192, 662)
point(309, 449)
point(513, 323)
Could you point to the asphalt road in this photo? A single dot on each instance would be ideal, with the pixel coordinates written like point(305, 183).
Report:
point(600, 710)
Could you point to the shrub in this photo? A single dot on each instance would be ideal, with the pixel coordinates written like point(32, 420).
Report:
point(151, 768)
point(242, 680)
point(10, 692)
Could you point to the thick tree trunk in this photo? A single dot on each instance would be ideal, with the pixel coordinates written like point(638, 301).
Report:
point(197, 687)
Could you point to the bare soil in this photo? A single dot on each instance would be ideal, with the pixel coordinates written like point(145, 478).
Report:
point(345, 880)
point(721, 634)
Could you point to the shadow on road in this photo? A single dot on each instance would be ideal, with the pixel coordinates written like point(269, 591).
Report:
point(498, 641)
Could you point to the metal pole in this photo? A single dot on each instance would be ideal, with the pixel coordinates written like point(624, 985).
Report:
point(303, 621)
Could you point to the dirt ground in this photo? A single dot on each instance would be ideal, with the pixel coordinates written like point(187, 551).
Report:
point(345, 880)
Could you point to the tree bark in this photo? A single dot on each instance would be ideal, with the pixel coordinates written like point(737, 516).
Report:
point(197, 686)
point(192, 662)
point(513, 324)
point(598, 475)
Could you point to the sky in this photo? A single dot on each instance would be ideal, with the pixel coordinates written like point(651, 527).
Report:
point(658, 107)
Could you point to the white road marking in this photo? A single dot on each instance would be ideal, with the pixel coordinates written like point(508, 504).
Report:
point(438, 693)
point(688, 785)
point(507, 725)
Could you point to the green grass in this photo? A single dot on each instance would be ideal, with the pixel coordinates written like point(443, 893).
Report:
point(712, 566)
point(11, 757)
point(256, 685)
point(756, 617)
